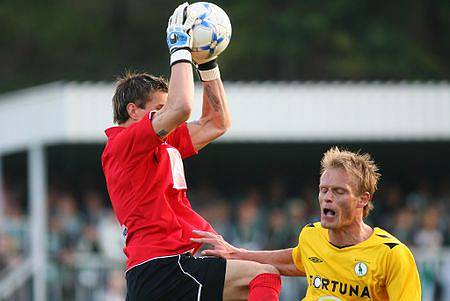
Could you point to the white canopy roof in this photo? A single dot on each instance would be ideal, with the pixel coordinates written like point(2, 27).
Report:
point(79, 112)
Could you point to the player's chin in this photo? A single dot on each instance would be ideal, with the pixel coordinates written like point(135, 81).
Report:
point(328, 222)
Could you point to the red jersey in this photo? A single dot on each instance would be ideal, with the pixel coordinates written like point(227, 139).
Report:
point(147, 188)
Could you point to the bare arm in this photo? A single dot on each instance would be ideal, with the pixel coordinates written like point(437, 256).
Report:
point(281, 259)
point(215, 119)
point(179, 101)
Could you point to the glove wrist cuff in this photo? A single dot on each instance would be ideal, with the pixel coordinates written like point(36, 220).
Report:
point(208, 65)
point(180, 55)
point(209, 71)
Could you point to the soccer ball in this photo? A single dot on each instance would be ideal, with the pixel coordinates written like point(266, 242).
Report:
point(211, 32)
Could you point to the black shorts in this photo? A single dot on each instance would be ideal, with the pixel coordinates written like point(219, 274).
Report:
point(177, 278)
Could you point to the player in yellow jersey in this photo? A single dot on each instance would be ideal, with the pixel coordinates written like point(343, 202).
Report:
point(342, 257)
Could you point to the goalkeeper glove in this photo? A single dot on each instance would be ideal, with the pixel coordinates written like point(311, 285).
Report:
point(179, 38)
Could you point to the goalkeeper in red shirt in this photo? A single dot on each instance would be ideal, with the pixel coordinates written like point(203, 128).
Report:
point(143, 167)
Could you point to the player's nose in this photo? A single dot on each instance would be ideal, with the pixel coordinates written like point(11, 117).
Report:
point(328, 196)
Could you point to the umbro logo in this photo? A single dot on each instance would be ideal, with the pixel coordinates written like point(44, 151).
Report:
point(315, 259)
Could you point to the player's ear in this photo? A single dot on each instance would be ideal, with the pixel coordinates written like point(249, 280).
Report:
point(364, 199)
point(132, 110)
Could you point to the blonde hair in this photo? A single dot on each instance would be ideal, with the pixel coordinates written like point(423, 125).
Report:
point(361, 166)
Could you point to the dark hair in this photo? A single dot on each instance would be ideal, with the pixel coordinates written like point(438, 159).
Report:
point(134, 88)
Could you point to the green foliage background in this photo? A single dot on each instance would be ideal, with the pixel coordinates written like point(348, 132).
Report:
point(48, 40)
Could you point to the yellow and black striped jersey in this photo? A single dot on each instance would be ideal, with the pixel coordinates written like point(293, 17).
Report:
point(380, 268)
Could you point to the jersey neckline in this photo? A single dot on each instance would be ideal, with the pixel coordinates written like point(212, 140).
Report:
point(324, 233)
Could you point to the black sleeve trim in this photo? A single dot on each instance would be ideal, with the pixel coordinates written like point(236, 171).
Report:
point(382, 235)
point(181, 61)
point(391, 245)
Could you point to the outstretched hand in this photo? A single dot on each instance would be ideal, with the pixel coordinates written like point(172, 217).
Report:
point(221, 247)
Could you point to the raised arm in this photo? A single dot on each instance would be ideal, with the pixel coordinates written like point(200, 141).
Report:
point(181, 86)
point(179, 101)
point(281, 259)
point(215, 119)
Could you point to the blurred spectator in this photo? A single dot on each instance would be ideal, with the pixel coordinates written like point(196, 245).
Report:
point(15, 223)
point(276, 193)
point(405, 222)
point(218, 213)
point(9, 253)
point(115, 288)
point(429, 235)
point(278, 234)
point(94, 209)
point(387, 202)
point(309, 194)
point(297, 218)
point(89, 240)
point(54, 243)
point(203, 194)
point(421, 196)
point(70, 222)
point(248, 230)
point(111, 240)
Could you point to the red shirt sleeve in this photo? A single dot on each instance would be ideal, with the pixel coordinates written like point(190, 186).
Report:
point(181, 140)
point(136, 141)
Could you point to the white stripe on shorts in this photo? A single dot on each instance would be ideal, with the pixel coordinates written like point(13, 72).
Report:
point(199, 284)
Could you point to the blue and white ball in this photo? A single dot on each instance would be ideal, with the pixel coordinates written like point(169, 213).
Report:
point(211, 33)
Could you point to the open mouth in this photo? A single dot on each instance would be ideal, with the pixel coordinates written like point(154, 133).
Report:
point(328, 212)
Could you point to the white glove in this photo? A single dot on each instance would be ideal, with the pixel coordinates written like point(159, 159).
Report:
point(179, 38)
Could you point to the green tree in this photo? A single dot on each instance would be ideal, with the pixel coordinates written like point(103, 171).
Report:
point(42, 41)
